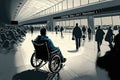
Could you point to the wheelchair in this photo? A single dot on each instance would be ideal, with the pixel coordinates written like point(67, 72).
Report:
point(41, 56)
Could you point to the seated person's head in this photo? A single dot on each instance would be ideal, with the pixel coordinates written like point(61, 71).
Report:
point(76, 24)
point(43, 31)
point(99, 27)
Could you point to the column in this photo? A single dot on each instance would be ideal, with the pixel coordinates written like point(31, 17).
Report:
point(91, 23)
point(51, 24)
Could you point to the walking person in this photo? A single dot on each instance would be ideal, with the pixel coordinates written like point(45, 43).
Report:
point(109, 37)
point(56, 29)
point(89, 33)
point(61, 30)
point(32, 29)
point(99, 38)
point(77, 34)
point(117, 41)
point(84, 32)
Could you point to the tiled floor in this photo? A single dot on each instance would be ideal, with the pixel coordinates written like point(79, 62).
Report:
point(80, 65)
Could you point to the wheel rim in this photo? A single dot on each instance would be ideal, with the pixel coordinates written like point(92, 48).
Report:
point(55, 63)
point(35, 62)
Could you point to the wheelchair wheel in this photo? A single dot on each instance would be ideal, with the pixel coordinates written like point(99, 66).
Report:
point(35, 62)
point(55, 64)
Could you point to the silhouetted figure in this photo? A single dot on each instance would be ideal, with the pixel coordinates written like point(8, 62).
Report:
point(56, 29)
point(89, 33)
point(61, 30)
point(77, 34)
point(99, 38)
point(84, 32)
point(32, 29)
point(51, 46)
point(110, 61)
point(117, 41)
point(109, 37)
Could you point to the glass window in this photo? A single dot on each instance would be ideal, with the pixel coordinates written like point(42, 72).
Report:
point(106, 21)
point(83, 2)
point(64, 23)
point(70, 4)
point(84, 22)
point(71, 22)
point(77, 21)
point(116, 20)
point(50, 10)
point(57, 7)
point(64, 5)
point(54, 9)
point(92, 1)
point(60, 6)
point(58, 23)
point(61, 24)
point(67, 23)
point(76, 3)
point(97, 21)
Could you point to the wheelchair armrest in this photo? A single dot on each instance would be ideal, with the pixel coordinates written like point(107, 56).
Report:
point(54, 51)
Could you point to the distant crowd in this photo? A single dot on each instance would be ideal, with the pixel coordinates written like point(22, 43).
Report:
point(11, 35)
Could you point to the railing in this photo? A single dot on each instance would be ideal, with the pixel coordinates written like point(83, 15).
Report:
point(64, 6)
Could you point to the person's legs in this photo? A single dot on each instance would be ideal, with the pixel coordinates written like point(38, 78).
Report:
point(60, 54)
point(100, 43)
point(89, 36)
point(98, 46)
point(77, 44)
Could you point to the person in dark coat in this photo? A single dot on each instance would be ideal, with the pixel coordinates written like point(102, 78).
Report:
point(89, 33)
point(84, 32)
point(99, 37)
point(56, 29)
point(110, 61)
point(61, 30)
point(109, 37)
point(32, 29)
point(77, 34)
point(117, 41)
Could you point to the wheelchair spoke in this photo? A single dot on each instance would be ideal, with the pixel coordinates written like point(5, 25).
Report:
point(35, 62)
point(55, 64)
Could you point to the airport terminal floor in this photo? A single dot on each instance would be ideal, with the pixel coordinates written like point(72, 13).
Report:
point(80, 65)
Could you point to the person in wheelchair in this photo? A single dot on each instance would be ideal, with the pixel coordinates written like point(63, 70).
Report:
point(50, 44)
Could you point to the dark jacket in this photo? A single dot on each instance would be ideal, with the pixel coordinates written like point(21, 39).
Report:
point(77, 32)
point(99, 35)
point(48, 40)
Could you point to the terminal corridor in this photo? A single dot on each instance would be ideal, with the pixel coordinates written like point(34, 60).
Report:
point(80, 65)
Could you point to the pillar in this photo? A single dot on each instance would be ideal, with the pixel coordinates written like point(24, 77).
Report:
point(51, 24)
point(91, 23)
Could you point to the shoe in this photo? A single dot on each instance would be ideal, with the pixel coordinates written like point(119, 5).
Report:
point(63, 60)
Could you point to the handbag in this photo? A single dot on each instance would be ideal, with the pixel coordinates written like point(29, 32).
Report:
point(73, 38)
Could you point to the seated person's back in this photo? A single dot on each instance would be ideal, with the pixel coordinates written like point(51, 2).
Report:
point(45, 38)
point(50, 44)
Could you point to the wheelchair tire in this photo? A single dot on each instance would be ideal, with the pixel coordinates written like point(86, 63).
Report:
point(35, 62)
point(55, 64)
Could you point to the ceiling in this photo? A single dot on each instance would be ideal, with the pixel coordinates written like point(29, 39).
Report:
point(32, 7)
point(8, 9)
point(22, 9)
